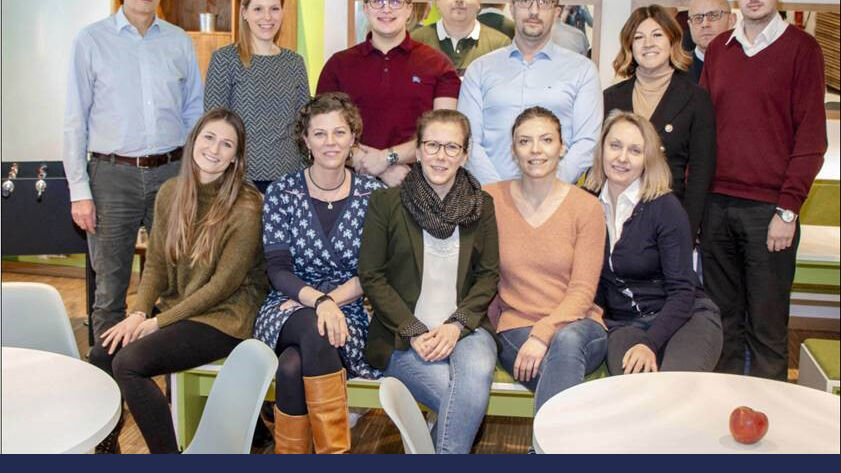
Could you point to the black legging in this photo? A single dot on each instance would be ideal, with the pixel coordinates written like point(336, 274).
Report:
point(177, 347)
point(301, 352)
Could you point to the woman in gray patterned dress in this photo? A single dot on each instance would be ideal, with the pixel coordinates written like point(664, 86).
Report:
point(264, 84)
point(314, 318)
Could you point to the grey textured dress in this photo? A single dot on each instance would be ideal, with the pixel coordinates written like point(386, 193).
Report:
point(267, 96)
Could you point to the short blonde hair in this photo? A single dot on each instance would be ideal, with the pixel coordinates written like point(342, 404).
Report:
point(656, 177)
point(625, 65)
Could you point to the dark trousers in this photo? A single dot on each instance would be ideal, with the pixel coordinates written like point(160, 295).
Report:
point(695, 346)
point(177, 347)
point(750, 284)
point(125, 199)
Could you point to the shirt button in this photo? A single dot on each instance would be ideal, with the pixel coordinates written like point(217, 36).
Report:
point(386, 69)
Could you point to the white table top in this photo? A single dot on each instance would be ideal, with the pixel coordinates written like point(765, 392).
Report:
point(685, 413)
point(54, 403)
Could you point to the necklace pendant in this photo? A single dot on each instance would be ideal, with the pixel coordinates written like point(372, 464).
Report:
point(329, 205)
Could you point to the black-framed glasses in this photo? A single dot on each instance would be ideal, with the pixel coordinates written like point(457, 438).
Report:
point(713, 16)
point(542, 4)
point(380, 4)
point(451, 149)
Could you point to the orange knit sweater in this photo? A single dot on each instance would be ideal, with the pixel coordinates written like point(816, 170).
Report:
point(548, 274)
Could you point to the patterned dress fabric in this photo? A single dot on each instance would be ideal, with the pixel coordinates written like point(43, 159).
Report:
point(267, 96)
point(323, 261)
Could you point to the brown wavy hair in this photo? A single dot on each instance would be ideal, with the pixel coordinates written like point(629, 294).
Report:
point(326, 103)
point(656, 177)
point(625, 65)
point(244, 47)
point(198, 240)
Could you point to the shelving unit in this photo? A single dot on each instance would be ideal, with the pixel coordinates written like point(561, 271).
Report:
point(185, 14)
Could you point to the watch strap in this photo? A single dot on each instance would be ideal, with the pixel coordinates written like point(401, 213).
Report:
point(322, 298)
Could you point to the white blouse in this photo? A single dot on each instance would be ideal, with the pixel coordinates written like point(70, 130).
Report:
point(437, 300)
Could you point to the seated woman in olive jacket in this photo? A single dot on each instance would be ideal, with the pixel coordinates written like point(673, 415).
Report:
point(659, 89)
point(429, 264)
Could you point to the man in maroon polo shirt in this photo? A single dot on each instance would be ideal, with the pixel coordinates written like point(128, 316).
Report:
point(766, 81)
point(393, 80)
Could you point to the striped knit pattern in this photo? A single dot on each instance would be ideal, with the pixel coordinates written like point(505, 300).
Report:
point(267, 96)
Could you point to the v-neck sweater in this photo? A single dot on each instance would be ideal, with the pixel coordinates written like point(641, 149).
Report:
point(225, 293)
point(549, 273)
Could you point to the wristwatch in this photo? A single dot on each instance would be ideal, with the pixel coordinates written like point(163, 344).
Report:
point(786, 215)
point(322, 298)
point(392, 157)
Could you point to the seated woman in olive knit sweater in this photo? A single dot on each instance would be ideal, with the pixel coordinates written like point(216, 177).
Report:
point(551, 244)
point(204, 267)
point(657, 314)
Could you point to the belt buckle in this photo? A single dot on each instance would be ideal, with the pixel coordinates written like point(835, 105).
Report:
point(137, 162)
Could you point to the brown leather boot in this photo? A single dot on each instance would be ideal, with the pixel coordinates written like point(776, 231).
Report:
point(328, 412)
point(291, 433)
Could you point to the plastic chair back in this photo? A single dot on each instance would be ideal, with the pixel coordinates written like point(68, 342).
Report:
point(33, 316)
point(403, 410)
point(227, 424)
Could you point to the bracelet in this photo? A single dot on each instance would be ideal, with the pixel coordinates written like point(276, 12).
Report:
point(322, 298)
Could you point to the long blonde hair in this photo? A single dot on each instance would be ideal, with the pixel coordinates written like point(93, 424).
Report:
point(185, 236)
point(656, 177)
point(244, 47)
point(625, 65)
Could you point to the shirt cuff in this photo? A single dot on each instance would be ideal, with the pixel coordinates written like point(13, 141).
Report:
point(80, 191)
point(458, 317)
point(413, 329)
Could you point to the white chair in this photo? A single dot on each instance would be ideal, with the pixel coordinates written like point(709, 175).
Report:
point(403, 410)
point(227, 424)
point(33, 316)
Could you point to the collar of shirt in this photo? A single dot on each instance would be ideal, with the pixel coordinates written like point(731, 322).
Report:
point(406, 45)
point(121, 22)
point(442, 32)
point(699, 53)
point(771, 33)
point(549, 51)
point(625, 204)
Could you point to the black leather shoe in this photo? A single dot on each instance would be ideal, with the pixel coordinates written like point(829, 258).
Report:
point(111, 444)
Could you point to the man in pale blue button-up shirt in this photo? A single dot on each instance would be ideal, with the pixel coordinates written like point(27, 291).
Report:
point(532, 71)
point(133, 93)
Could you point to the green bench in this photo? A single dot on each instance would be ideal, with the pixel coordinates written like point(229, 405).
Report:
point(820, 364)
point(190, 390)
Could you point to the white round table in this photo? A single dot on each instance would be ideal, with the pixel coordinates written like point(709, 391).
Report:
point(685, 413)
point(54, 403)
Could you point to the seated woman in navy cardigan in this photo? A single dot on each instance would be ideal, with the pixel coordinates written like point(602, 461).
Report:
point(657, 314)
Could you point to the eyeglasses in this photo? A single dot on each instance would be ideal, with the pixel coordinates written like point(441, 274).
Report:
point(380, 4)
point(451, 149)
point(713, 16)
point(542, 4)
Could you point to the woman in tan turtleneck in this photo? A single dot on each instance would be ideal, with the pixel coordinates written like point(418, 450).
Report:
point(658, 88)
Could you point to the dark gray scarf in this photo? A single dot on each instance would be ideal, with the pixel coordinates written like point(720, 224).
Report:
point(461, 206)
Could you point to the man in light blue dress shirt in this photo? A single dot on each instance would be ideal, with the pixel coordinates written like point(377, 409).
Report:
point(532, 71)
point(133, 94)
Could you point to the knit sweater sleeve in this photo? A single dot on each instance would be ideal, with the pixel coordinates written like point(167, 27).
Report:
point(217, 89)
point(584, 278)
point(809, 120)
point(154, 280)
point(240, 246)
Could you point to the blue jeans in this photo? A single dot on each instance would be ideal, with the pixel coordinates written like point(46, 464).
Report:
point(456, 388)
point(576, 350)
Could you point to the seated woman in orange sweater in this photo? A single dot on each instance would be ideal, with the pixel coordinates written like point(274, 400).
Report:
point(551, 247)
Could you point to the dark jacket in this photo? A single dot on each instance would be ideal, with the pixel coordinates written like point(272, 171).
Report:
point(391, 271)
point(501, 23)
point(650, 271)
point(695, 69)
point(685, 121)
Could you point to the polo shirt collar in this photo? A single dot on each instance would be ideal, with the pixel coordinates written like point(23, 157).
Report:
point(406, 45)
point(442, 32)
point(121, 22)
point(549, 51)
point(771, 33)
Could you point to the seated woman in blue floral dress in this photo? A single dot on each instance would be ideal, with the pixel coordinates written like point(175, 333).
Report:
point(314, 317)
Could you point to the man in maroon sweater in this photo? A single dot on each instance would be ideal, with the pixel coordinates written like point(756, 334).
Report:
point(766, 81)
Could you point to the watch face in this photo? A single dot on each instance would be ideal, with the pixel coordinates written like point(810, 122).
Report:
point(787, 216)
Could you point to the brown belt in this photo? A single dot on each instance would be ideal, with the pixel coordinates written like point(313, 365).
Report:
point(148, 161)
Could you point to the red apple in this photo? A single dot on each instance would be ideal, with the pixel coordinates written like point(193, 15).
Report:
point(747, 425)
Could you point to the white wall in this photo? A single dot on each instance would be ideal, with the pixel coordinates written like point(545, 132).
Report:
point(36, 40)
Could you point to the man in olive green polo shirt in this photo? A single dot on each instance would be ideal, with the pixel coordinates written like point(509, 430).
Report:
point(459, 35)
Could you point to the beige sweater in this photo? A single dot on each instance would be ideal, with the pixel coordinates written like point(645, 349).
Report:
point(225, 294)
point(549, 274)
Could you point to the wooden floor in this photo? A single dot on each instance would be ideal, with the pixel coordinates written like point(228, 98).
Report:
point(374, 432)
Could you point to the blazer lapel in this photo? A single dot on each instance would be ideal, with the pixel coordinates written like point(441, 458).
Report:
point(415, 239)
point(465, 250)
point(674, 100)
